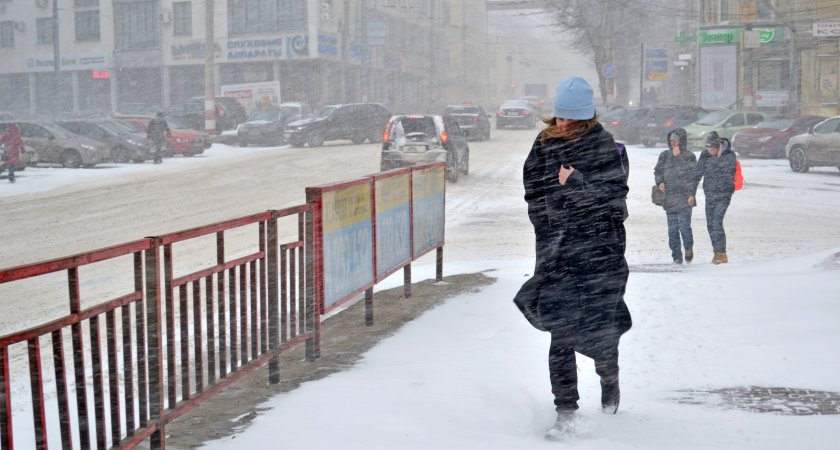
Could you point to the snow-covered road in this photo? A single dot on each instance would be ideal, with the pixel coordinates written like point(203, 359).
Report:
point(767, 319)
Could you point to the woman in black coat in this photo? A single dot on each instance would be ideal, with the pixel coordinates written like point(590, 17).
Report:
point(673, 174)
point(575, 185)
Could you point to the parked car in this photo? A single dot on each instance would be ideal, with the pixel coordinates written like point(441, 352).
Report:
point(355, 122)
point(136, 109)
point(769, 138)
point(517, 113)
point(229, 113)
point(55, 145)
point(726, 123)
point(663, 119)
point(472, 119)
point(124, 146)
point(820, 146)
point(624, 123)
point(266, 126)
point(182, 141)
point(417, 139)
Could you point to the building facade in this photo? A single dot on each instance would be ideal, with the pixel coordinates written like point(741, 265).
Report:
point(406, 54)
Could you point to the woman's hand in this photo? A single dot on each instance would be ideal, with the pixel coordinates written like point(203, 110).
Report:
point(691, 201)
point(662, 187)
point(565, 173)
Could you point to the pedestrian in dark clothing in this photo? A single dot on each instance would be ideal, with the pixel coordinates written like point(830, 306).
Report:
point(13, 146)
point(576, 185)
point(716, 167)
point(158, 131)
point(672, 174)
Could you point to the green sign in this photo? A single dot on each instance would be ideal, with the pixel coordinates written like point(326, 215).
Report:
point(722, 36)
point(768, 35)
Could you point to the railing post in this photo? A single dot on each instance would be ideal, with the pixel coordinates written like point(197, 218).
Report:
point(155, 343)
point(273, 299)
point(313, 310)
point(407, 280)
point(439, 264)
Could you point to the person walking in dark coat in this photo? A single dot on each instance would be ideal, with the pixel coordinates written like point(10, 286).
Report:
point(157, 131)
point(716, 167)
point(12, 147)
point(672, 174)
point(575, 186)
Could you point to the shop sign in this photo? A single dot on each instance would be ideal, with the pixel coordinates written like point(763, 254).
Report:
point(656, 70)
point(720, 36)
point(826, 29)
point(769, 35)
point(772, 98)
point(90, 61)
point(656, 53)
point(248, 49)
point(327, 44)
point(191, 51)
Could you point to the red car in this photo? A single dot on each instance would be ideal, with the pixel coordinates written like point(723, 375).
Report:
point(183, 141)
point(769, 138)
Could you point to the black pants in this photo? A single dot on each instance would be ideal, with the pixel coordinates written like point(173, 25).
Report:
point(158, 148)
point(562, 367)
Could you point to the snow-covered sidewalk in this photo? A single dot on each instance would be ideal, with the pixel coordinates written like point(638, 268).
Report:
point(472, 374)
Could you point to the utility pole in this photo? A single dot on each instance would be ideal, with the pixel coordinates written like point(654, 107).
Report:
point(209, 64)
point(56, 57)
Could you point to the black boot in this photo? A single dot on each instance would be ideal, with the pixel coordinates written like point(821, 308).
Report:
point(610, 396)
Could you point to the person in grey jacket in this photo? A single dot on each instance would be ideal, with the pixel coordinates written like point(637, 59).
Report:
point(672, 174)
point(716, 167)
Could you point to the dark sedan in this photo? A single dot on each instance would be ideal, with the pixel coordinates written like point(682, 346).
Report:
point(472, 120)
point(515, 113)
point(769, 138)
point(266, 126)
point(624, 123)
point(662, 119)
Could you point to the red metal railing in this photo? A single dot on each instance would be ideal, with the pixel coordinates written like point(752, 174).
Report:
point(199, 331)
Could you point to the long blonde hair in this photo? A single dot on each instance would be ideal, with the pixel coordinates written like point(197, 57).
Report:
point(574, 130)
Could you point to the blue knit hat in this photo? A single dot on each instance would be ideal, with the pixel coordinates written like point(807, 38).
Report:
point(574, 100)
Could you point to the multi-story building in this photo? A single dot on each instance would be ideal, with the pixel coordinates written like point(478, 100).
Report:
point(399, 52)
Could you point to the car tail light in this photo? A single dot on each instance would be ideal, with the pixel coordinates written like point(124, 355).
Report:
point(387, 136)
point(668, 123)
point(616, 123)
point(498, 113)
point(526, 113)
point(475, 120)
point(444, 137)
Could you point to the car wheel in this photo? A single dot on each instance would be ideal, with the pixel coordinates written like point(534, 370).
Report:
point(315, 140)
point(243, 143)
point(119, 155)
point(648, 144)
point(357, 140)
point(466, 169)
point(71, 159)
point(375, 137)
point(798, 160)
point(452, 169)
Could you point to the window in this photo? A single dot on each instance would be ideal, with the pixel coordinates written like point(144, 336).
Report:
point(754, 119)
point(257, 16)
point(182, 18)
point(829, 126)
point(773, 75)
point(7, 34)
point(85, 2)
point(735, 120)
point(136, 25)
point(827, 87)
point(44, 29)
point(723, 10)
point(87, 25)
point(764, 13)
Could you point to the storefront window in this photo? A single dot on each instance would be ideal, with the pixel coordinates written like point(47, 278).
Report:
point(827, 87)
point(773, 75)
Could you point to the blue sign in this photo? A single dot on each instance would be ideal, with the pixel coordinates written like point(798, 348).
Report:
point(657, 53)
point(609, 70)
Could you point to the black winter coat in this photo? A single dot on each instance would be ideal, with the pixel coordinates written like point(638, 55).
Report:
point(578, 287)
point(676, 173)
point(718, 173)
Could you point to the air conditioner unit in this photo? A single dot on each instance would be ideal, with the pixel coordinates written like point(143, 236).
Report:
point(165, 16)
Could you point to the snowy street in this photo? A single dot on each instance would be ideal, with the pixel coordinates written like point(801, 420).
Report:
point(472, 373)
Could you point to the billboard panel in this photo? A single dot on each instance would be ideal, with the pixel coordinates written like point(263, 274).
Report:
point(393, 223)
point(428, 208)
point(348, 241)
